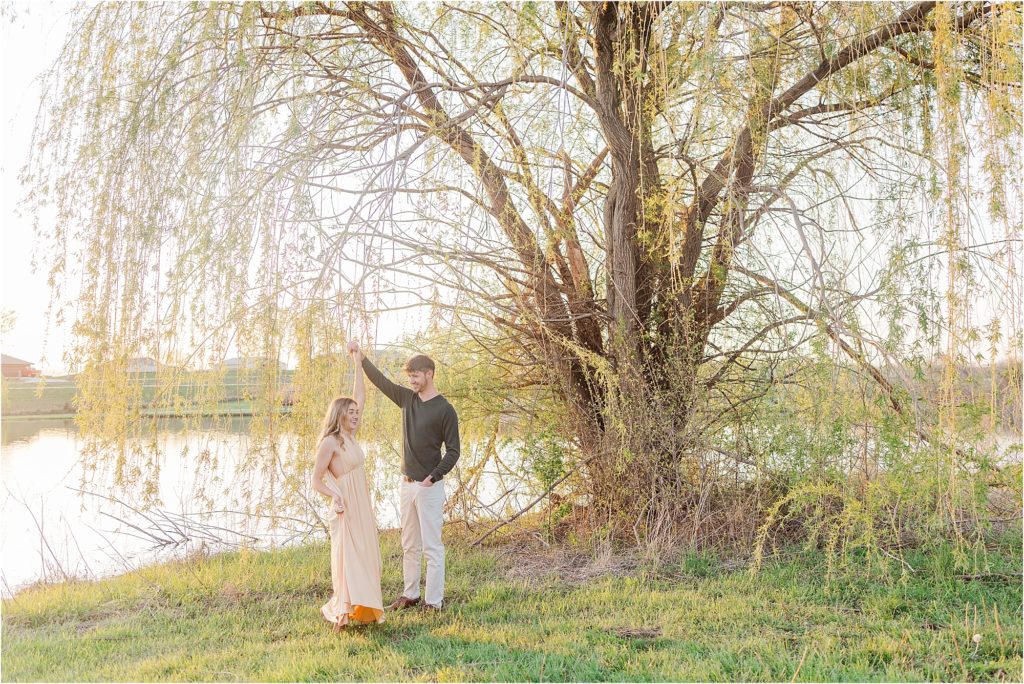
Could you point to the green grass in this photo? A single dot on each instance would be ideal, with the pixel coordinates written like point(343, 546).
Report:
point(56, 397)
point(21, 398)
point(255, 616)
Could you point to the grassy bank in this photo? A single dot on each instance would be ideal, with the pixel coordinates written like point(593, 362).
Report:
point(53, 397)
point(516, 613)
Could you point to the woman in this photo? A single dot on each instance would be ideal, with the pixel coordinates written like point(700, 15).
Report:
point(355, 549)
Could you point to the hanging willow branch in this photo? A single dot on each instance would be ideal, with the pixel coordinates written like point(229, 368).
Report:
point(603, 198)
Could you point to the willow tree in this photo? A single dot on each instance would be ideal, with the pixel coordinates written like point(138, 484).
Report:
point(645, 207)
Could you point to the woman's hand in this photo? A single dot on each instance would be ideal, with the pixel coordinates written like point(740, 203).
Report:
point(339, 507)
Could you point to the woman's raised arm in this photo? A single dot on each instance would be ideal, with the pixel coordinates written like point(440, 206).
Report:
point(359, 389)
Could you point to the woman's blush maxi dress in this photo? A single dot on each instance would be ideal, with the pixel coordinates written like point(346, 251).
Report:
point(355, 549)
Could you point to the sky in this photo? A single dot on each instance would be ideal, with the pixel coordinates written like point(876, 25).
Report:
point(31, 35)
point(30, 40)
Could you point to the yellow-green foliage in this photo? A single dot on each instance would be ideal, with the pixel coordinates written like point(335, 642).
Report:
point(233, 178)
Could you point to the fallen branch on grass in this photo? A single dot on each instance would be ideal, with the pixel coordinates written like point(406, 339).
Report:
point(175, 529)
point(535, 501)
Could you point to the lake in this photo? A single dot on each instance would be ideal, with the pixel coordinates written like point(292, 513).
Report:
point(53, 531)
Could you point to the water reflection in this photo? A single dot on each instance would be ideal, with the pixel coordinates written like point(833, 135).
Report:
point(22, 431)
point(52, 530)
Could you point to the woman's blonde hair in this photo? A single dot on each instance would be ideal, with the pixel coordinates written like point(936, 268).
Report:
point(335, 414)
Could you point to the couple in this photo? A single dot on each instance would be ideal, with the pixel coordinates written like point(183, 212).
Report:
point(428, 420)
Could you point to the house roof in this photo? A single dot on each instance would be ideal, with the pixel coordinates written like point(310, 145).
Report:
point(9, 360)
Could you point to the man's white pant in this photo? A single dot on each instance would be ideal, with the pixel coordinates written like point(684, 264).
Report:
point(422, 511)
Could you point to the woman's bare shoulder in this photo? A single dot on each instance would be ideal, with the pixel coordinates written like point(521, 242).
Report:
point(331, 441)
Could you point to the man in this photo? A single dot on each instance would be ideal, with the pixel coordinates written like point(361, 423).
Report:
point(428, 421)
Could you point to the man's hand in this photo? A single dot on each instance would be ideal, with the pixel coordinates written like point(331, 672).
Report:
point(353, 348)
point(427, 482)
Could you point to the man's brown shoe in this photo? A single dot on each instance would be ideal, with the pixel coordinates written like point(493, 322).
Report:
point(403, 602)
point(431, 608)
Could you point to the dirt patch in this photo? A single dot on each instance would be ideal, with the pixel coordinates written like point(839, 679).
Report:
point(634, 632)
point(526, 558)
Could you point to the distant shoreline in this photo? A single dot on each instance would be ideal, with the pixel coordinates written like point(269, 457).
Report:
point(144, 414)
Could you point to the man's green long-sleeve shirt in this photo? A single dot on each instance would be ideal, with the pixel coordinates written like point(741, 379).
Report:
point(425, 426)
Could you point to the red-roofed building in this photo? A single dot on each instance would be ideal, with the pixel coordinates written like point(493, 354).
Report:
point(17, 368)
